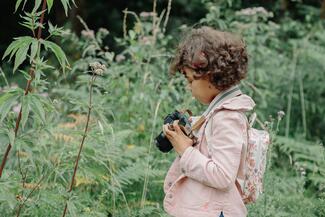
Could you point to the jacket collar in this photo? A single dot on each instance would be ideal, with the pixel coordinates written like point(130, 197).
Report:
point(231, 99)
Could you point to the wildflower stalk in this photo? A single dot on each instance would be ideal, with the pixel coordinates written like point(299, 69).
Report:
point(27, 90)
point(169, 7)
point(146, 178)
point(97, 69)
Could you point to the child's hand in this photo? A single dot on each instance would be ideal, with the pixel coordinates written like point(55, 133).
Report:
point(177, 138)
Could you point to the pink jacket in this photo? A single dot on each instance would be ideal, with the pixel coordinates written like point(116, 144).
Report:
point(200, 185)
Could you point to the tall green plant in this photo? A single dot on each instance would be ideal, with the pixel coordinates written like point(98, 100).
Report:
point(31, 103)
point(19, 50)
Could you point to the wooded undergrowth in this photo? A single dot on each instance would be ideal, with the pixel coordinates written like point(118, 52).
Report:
point(77, 139)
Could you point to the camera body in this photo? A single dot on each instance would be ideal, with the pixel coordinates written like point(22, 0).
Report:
point(162, 143)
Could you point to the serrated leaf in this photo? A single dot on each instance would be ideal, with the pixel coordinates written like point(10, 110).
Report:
point(27, 25)
point(33, 50)
point(13, 46)
point(19, 47)
point(7, 102)
point(26, 75)
point(46, 103)
point(37, 5)
point(49, 5)
point(66, 6)
point(21, 55)
point(25, 110)
point(11, 136)
point(18, 2)
point(4, 98)
point(58, 52)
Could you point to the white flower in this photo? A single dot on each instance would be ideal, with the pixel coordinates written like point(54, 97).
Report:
point(88, 33)
point(280, 114)
point(103, 31)
point(254, 10)
point(97, 68)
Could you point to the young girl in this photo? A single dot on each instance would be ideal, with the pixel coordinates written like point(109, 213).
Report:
point(202, 181)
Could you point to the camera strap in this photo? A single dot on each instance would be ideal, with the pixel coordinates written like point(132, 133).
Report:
point(217, 101)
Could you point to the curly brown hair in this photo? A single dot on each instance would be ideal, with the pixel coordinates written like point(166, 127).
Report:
point(218, 56)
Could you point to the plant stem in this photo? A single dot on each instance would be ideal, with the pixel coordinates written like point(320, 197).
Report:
point(292, 78)
point(169, 7)
point(93, 78)
point(27, 89)
point(154, 21)
point(146, 178)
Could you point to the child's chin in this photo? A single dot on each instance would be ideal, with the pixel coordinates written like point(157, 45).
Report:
point(201, 101)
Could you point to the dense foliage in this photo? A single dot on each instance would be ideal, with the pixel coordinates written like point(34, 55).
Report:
point(120, 172)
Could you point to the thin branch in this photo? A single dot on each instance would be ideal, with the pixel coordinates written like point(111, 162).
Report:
point(93, 78)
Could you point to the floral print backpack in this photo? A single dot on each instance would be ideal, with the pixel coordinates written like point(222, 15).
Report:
point(255, 163)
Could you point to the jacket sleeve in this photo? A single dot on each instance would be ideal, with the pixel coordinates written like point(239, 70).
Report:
point(227, 136)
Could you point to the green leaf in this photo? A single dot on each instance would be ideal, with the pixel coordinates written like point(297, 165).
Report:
point(49, 5)
point(54, 30)
point(11, 48)
point(66, 6)
point(3, 139)
point(11, 136)
point(58, 52)
point(37, 5)
point(37, 106)
point(25, 109)
point(19, 47)
point(18, 2)
point(33, 50)
point(21, 55)
point(4, 98)
point(26, 75)
point(7, 101)
point(132, 34)
point(72, 208)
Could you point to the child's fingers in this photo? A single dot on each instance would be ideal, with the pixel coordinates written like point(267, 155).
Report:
point(177, 128)
point(169, 133)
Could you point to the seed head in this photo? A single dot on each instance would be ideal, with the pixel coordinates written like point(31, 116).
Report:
point(97, 68)
point(280, 114)
point(88, 34)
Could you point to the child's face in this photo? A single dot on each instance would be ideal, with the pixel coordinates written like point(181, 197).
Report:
point(201, 89)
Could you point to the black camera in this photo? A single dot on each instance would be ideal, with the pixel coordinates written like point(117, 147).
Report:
point(162, 143)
